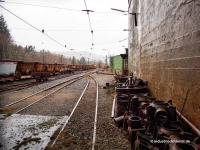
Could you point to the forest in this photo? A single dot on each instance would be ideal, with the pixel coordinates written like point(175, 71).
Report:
point(9, 49)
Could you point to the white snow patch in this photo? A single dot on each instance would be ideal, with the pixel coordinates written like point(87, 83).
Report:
point(17, 127)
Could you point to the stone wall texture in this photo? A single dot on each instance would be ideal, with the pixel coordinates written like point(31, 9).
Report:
point(164, 49)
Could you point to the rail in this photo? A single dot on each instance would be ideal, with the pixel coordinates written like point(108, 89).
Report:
point(19, 100)
point(95, 119)
point(67, 120)
point(48, 95)
point(20, 86)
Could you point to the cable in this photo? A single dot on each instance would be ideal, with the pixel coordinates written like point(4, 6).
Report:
point(44, 6)
point(89, 20)
point(34, 27)
point(61, 30)
point(123, 40)
point(88, 14)
point(53, 7)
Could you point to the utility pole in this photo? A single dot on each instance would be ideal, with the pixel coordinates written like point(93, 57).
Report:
point(107, 56)
point(61, 58)
point(106, 61)
point(16, 54)
point(43, 55)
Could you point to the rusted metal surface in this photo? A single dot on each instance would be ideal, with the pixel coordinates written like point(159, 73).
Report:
point(132, 85)
point(40, 67)
point(81, 67)
point(152, 123)
point(41, 76)
point(25, 68)
point(192, 126)
point(51, 68)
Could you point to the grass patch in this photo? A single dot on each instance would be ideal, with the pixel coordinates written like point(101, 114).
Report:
point(31, 129)
point(48, 123)
point(87, 75)
point(7, 110)
point(26, 141)
point(110, 91)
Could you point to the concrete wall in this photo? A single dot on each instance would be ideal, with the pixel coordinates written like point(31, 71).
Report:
point(134, 40)
point(169, 57)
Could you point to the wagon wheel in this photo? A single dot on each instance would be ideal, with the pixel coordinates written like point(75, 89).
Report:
point(18, 74)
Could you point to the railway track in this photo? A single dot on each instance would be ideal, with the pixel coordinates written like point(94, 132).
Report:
point(68, 119)
point(19, 86)
point(25, 102)
point(83, 129)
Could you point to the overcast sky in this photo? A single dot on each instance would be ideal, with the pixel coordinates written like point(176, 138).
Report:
point(69, 26)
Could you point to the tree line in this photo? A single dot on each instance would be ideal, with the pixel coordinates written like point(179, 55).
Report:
point(11, 50)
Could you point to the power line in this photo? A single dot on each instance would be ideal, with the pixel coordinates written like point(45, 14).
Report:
point(42, 31)
point(43, 6)
point(53, 7)
point(123, 40)
point(61, 30)
point(87, 10)
point(88, 14)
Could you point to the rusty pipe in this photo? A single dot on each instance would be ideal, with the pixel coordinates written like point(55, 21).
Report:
point(192, 126)
point(113, 108)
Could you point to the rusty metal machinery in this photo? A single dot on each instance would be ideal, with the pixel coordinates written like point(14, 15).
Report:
point(150, 123)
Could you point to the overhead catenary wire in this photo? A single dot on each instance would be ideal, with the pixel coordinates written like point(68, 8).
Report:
point(53, 7)
point(42, 31)
point(70, 30)
point(89, 21)
point(80, 28)
point(36, 5)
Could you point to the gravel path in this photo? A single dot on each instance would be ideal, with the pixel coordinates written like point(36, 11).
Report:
point(108, 136)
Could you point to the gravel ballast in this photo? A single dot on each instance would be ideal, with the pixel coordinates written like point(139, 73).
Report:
point(78, 133)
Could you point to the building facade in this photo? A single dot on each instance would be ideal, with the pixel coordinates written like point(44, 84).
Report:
point(164, 49)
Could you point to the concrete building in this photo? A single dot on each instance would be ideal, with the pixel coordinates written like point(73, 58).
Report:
point(164, 49)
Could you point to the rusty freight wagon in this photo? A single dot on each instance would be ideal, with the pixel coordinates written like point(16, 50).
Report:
point(81, 67)
point(51, 68)
point(92, 66)
point(24, 69)
point(58, 67)
point(75, 67)
point(40, 72)
point(66, 69)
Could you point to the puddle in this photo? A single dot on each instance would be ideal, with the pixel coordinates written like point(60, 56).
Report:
point(28, 131)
